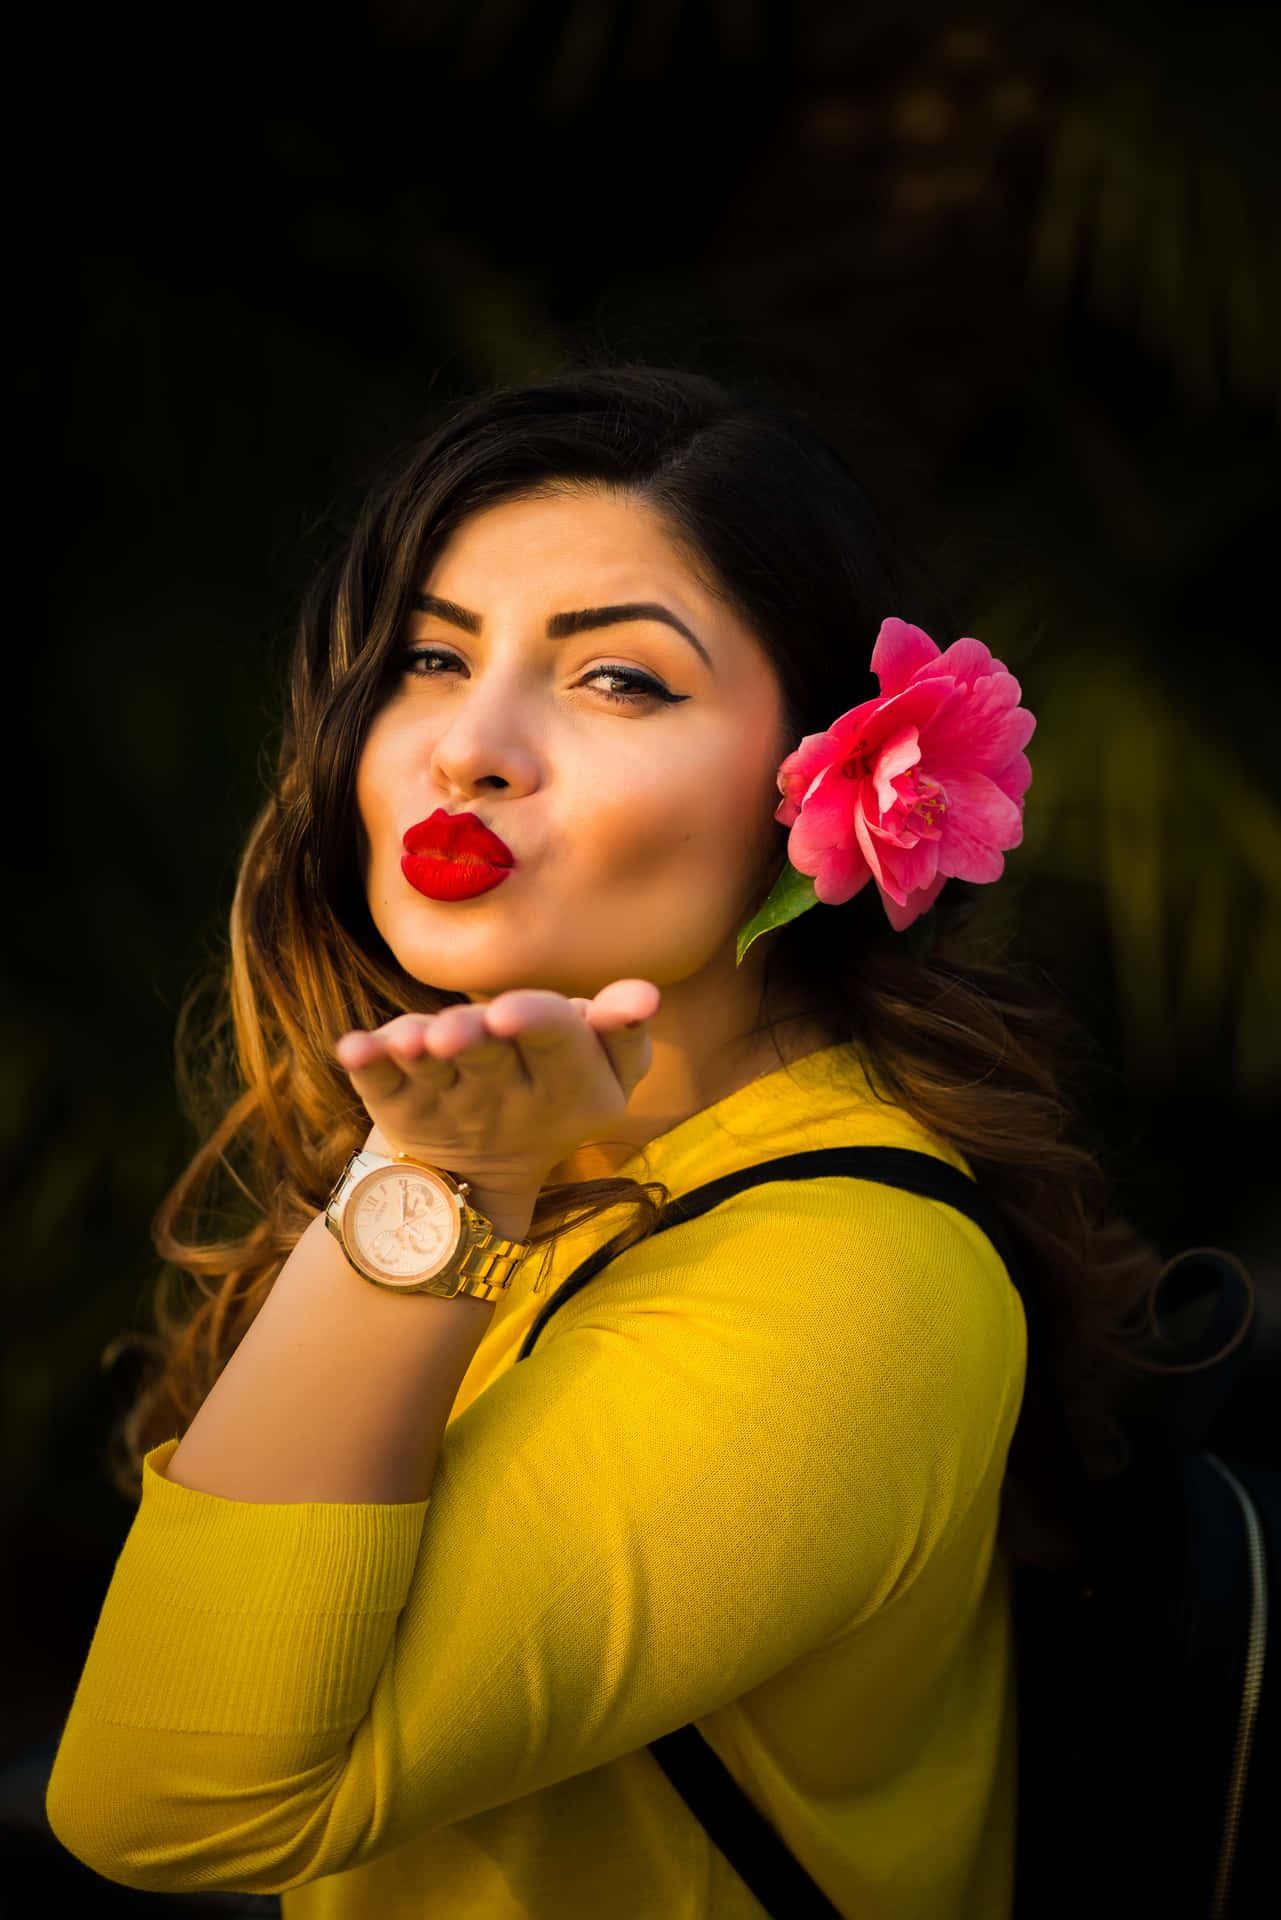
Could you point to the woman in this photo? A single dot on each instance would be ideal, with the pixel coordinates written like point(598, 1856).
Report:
point(398, 1616)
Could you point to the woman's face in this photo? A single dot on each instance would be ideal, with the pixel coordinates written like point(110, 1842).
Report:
point(628, 767)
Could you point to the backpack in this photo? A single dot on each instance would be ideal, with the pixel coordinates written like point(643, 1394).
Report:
point(1148, 1747)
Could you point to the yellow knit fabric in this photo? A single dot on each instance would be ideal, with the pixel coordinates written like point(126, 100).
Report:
point(748, 1478)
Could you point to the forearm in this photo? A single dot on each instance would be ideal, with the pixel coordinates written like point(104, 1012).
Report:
point(340, 1390)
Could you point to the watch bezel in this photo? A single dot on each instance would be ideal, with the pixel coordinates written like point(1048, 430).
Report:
point(425, 1277)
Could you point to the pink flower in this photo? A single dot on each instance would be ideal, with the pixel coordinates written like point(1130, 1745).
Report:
point(920, 786)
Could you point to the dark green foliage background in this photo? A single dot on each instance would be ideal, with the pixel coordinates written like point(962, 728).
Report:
point(1024, 265)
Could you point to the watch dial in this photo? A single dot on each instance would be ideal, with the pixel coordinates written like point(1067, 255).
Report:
point(403, 1224)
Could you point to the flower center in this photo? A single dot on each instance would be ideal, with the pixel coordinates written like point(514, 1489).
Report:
point(929, 802)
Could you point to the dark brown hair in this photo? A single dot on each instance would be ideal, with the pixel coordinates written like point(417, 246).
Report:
point(770, 519)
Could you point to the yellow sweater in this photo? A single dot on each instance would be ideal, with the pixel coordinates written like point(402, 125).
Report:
point(748, 1477)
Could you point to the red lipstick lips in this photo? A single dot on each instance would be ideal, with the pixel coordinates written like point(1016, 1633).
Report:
point(454, 856)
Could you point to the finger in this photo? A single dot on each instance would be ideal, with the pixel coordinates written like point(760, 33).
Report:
point(403, 1038)
point(544, 1030)
point(630, 1052)
point(623, 1003)
point(456, 1029)
point(357, 1048)
point(371, 1070)
point(486, 1057)
point(535, 1018)
point(380, 1063)
point(619, 1017)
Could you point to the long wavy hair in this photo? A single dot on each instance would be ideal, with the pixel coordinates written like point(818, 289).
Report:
point(771, 520)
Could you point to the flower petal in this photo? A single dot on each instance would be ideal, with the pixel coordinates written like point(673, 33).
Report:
point(797, 772)
point(901, 652)
point(824, 820)
point(844, 873)
point(910, 868)
point(860, 733)
point(980, 820)
point(837, 872)
point(915, 706)
point(898, 753)
point(1015, 779)
point(982, 728)
point(968, 661)
point(868, 845)
point(901, 917)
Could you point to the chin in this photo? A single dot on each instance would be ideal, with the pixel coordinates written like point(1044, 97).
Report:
point(486, 983)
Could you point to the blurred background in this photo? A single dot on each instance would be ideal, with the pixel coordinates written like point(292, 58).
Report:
point(1022, 262)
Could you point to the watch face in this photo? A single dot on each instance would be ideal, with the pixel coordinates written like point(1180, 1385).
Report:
point(403, 1224)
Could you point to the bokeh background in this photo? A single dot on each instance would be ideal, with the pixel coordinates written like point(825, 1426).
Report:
point(1021, 261)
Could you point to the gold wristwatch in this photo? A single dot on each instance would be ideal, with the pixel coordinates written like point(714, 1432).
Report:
point(408, 1228)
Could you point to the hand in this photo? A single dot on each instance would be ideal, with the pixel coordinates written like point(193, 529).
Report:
point(499, 1094)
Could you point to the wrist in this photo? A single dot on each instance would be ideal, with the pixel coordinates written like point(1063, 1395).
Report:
point(510, 1208)
point(510, 1217)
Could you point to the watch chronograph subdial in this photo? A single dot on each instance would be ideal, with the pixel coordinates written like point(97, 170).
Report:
point(413, 1239)
point(404, 1225)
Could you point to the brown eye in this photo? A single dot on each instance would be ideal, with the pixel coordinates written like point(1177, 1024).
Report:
point(428, 663)
point(631, 685)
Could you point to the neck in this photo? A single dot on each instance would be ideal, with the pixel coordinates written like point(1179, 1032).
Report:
point(705, 1048)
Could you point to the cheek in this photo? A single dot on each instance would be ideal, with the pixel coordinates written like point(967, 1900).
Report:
point(716, 819)
point(378, 783)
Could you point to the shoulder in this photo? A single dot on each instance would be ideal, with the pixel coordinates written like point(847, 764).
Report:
point(844, 1321)
point(823, 1272)
point(795, 1218)
point(799, 1258)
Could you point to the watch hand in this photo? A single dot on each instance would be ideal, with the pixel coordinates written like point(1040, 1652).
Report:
point(403, 1199)
point(424, 1235)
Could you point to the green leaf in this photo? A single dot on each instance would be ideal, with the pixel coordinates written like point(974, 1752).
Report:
point(791, 894)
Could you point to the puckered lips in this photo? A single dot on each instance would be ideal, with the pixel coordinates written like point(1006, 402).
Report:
point(453, 856)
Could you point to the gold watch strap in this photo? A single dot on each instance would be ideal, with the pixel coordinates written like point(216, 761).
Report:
point(489, 1263)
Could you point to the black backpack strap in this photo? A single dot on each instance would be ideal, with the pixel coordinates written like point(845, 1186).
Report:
point(696, 1771)
point(733, 1824)
point(898, 1167)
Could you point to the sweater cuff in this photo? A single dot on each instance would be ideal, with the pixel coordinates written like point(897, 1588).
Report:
point(193, 1561)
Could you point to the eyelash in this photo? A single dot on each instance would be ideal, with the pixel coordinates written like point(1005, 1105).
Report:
point(642, 686)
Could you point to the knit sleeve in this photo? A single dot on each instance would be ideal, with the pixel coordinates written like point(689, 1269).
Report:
point(744, 1438)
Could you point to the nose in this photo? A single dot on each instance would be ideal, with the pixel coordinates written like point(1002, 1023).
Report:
point(488, 745)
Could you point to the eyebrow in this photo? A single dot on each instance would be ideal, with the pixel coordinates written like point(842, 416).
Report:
point(560, 625)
